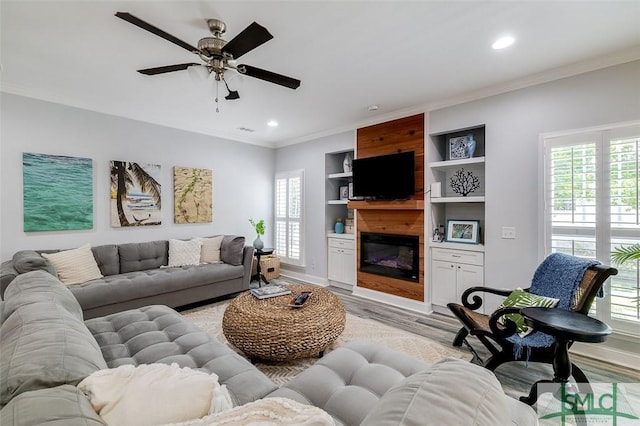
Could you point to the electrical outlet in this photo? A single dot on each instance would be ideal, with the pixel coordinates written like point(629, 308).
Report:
point(509, 232)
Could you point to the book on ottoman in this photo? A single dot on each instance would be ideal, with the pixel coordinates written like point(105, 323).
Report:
point(271, 290)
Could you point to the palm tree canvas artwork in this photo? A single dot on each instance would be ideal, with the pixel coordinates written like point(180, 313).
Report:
point(57, 192)
point(135, 194)
point(193, 195)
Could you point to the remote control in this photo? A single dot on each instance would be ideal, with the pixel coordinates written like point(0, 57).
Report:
point(301, 299)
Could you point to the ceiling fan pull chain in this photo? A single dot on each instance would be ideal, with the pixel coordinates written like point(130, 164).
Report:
point(217, 109)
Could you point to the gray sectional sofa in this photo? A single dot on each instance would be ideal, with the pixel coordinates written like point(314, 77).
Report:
point(135, 275)
point(47, 349)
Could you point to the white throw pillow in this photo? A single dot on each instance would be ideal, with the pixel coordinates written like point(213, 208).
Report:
point(266, 412)
point(183, 253)
point(74, 266)
point(153, 394)
point(211, 249)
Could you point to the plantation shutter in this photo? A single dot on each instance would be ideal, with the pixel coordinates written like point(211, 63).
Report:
point(592, 207)
point(288, 214)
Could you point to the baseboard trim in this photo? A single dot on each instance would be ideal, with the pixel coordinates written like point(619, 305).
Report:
point(609, 355)
point(312, 279)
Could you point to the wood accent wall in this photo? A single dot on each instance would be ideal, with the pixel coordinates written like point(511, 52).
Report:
point(393, 217)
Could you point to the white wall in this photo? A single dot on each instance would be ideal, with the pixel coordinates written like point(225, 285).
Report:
point(242, 173)
point(310, 156)
point(514, 122)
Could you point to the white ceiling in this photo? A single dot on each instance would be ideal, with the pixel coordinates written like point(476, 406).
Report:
point(400, 55)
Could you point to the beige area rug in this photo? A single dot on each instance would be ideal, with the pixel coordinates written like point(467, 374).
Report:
point(209, 318)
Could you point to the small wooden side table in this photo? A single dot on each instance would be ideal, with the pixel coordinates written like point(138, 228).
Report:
point(566, 327)
point(259, 276)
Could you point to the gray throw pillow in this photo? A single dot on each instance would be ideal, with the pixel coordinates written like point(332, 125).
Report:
point(232, 249)
point(28, 260)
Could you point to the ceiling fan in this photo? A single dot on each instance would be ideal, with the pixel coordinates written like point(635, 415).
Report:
point(218, 55)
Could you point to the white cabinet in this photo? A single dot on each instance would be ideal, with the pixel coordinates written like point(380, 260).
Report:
point(341, 261)
point(452, 272)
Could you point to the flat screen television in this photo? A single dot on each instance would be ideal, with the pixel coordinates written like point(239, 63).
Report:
point(384, 177)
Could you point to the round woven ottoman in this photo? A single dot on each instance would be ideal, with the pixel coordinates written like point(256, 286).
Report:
point(271, 330)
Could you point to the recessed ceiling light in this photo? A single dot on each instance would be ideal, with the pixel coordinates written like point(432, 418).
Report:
point(503, 42)
point(272, 123)
point(373, 107)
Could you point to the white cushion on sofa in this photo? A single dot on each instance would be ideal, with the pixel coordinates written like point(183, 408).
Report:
point(210, 252)
point(74, 266)
point(266, 412)
point(152, 394)
point(184, 253)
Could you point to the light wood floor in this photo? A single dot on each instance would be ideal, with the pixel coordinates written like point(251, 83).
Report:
point(516, 377)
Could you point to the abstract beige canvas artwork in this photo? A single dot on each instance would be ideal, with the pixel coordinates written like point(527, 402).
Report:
point(193, 195)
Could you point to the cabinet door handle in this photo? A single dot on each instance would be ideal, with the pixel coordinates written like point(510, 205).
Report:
point(455, 255)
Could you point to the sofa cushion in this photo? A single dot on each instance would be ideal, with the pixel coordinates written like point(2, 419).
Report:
point(44, 345)
point(211, 249)
point(74, 266)
point(450, 389)
point(40, 286)
point(160, 334)
point(121, 395)
point(231, 249)
point(184, 253)
point(350, 380)
point(107, 258)
point(143, 256)
point(63, 405)
point(136, 285)
point(29, 260)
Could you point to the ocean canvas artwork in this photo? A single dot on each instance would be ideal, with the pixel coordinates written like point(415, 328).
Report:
point(193, 195)
point(135, 194)
point(57, 192)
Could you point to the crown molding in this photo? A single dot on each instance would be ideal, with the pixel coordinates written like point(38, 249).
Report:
point(86, 105)
point(593, 64)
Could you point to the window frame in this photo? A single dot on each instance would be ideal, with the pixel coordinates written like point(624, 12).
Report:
point(602, 231)
point(285, 256)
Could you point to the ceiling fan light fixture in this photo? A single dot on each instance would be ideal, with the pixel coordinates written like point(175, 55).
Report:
point(503, 42)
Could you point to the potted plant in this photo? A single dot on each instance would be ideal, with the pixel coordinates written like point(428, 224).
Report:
point(259, 226)
point(623, 254)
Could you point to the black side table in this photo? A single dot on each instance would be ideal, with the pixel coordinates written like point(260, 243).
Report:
point(566, 327)
point(259, 276)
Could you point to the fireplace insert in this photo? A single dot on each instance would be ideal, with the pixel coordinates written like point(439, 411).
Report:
point(390, 255)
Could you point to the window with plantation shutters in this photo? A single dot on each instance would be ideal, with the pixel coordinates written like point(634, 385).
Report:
point(288, 216)
point(592, 199)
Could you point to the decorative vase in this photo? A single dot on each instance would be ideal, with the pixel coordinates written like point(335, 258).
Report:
point(258, 244)
point(339, 227)
point(347, 162)
point(471, 145)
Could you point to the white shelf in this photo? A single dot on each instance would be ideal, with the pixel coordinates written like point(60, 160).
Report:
point(458, 246)
point(441, 200)
point(456, 163)
point(340, 175)
point(341, 236)
point(337, 201)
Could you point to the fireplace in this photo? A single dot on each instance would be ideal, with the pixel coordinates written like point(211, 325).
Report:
point(390, 255)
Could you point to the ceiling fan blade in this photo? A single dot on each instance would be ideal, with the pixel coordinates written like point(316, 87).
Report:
point(250, 38)
point(269, 76)
point(155, 30)
point(167, 68)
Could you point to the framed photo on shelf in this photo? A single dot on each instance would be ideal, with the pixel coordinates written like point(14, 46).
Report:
point(463, 231)
point(458, 148)
point(344, 192)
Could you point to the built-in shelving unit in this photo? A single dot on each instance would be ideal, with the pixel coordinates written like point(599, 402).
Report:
point(455, 266)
